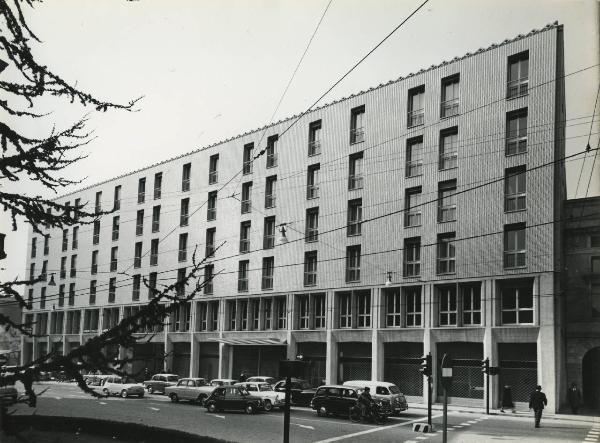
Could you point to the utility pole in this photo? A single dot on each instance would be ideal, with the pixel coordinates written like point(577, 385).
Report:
point(446, 382)
point(426, 370)
point(485, 368)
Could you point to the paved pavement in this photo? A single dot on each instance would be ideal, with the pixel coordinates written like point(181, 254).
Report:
point(465, 425)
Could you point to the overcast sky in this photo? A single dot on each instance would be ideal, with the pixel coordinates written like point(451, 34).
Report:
point(212, 69)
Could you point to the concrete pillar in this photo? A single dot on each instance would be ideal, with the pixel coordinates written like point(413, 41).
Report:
point(331, 355)
point(377, 348)
point(194, 357)
point(230, 366)
point(223, 360)
point(292, 346)
point(546, 343)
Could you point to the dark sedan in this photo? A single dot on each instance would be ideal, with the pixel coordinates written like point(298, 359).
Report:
point(233, 398)
point(302, 392)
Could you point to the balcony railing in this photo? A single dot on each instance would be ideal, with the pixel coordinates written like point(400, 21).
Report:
point(450, 107)
point(517, 88)
point(211, 214)
point(242, 284)
point(446, 265)
point(94, 269)
point(448, 160)
point(355, 182)
point(269, 242)
point(416, 118)
point(209, 250)
point(314, 148)
point(310, 278)
point(446, 213)
point(267, 282)
point(516, 145)
point(247, 167)
point(414, 168)
point(185, 185)
point(515, 202)
point(412, 218)
point(141, 197)
point(515, 259)
point(212, 177)
point(115, 234)
point(270, 201)
point(412, 269)
point(182, 255)
point(139, 229)
point(354, 228)
point(352, 274)
point(271, 160)
point(244, 246)
point(312, 234)
point(357, 135)
point(312, 191)
point(184, 220)
point(246, 206)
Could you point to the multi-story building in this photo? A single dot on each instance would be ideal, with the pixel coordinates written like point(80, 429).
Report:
point(419, 217)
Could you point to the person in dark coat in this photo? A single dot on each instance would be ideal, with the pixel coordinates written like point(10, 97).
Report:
point(574, 396)
point(243, 376)
point(507, 400)
point(537, 401)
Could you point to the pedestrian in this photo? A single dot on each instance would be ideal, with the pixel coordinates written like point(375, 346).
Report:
point(243, 376)
point(574, 398)
point(507, 400)
point(537, 401)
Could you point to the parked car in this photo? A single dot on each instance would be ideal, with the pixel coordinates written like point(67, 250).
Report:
point(191, 389)
point(8, 395)
point(115, 385)
point(95, 379)
point(223, 382)
point(270, 398)
point(381, 390)
point(302, 392)
point(159, 382)
point(262, 379)
point(334, 399)
point(233, 398)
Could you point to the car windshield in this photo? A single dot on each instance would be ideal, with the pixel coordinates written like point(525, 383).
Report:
point(395, 389)
point(265, 388)
point(305, 385)
point(172, 378)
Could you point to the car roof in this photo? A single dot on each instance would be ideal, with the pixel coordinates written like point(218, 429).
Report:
point(358, 383)
point(175, 375)
point(335, 386)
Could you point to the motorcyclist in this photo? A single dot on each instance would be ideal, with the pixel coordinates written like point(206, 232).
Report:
point(365, 401)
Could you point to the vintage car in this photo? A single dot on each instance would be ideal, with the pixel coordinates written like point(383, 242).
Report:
point(223, 382)
point(262, 379)
point(382, 390)
point(95, 379)
point(233, 398)
point(302, 392)
point(8, 395)
point(115, 385)
point(191, 389)
point(270, 398)
point(159, 382)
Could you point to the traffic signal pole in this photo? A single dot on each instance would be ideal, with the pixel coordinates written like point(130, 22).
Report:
point(429, 400)
point(485, 367)
point(427, 371)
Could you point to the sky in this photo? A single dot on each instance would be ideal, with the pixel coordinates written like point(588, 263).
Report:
point(211, 69)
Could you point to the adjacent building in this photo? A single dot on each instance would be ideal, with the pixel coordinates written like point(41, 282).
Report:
point(420, 216)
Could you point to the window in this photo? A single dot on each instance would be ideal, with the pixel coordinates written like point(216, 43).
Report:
point(412, 257)
point(412, 207)
point(354, 217)
point(61, 295)
point(186, 173)
point(355, 172)
point(268, 269)
point(471, 305)
point(71, 294)
point(232, 315)
point(94, 268)
point(518, 75)
point(246, 197)
point(154, 252)
point(272, 151)
point(357, 129)
point(312, 185)
point(73, 272)
point(32, 270)
point(517, 305)
point(92, 299)
point(245, 236)
point(244, 314)
point(63, 268)
point(141, 190)
point(345, 309)
point(314, 138)
point(446, 254)
point(209, 272)
point(514, 246)
point(113, 258)
point(312, 225)
point(180, 284)
point(448, 149)
point(211, 234)
point(319, 303)
point(310, 268)
point(213, 169)
point(91, 320)
point(135, 292)
point(33, 247)
point(448, 306)
point(57, 322)
point(67, 207)
point(202, 310)
point(595, 284)
point(46, 244)
point(413, 306)
point(75, 242)
point(416, 112)
point(157, 185)
point(156, 218)
point(65, 240)
point(152, 285)
point(269, 233)
point(414, 157)
point(96, 236)
point(363, 301)
point(112, 289)
point(447, 201)
point(98, 205)
point(516, 132)
point(211, 208)
point(117, 198)
point(303, 312)
point(270, 188)
point(115, 228)
point(515, 187)
point(183, 240)
point(393, 314)
point(77, 208)
point(44, 273)
point(243, 269)
point(353, 263)
point(450, 96)
point(247, 161)
point(255, 314)
point(281, 313)
point(30, 299)
point(184, 213)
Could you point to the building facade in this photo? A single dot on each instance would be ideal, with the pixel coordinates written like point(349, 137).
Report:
point(419, 217)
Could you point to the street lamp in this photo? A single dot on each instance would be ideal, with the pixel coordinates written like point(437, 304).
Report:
point(388, 282)
point(282, 239)
point(52, 282)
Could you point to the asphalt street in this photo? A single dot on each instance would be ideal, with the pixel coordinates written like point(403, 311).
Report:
point(63, 399)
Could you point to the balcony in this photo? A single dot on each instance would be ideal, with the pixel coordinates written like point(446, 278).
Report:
point(185, 185)
point(271, 160)
point(246, 206)
point(139, 229)
point(247, 167)
point(414, 168)
point(182, 255)
point(449, 108)
point(516, 145)
point(244, 246)
point(446, 213)
point(312, 235)
point(517, 88)
point(314, 148)
point(270, 201)
point(416, 118)
point(312, 191)
point(515, 259)
point(212, 177)
point(355, 182)
point(211, 214)
point(448, 160)
point(412, 218)
point(357, 135)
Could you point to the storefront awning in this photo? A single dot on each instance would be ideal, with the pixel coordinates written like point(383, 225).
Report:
point(250, 341)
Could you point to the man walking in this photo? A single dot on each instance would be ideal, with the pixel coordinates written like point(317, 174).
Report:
point(537, 401)
point(574, 398)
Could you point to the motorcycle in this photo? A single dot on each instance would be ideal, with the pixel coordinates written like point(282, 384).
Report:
point(377, 413)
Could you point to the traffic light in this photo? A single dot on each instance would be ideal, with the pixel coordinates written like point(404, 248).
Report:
point(426, 365)
point(485, 366)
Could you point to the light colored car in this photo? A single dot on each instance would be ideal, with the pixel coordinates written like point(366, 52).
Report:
point(191, 389)
point(223, 382)
point(159, 382)
point(262, 379)
point(271, 399)
point(115, 385)
point(382, 390)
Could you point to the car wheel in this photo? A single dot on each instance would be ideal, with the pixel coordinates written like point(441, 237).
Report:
point(105, 392)
point(212, 407)
point(142, 395)
point(268, 406)
point(249, 408)
point(150, 389)
point(124, 393)
point(322, 411)
point(174, 397)
point(201, 399)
